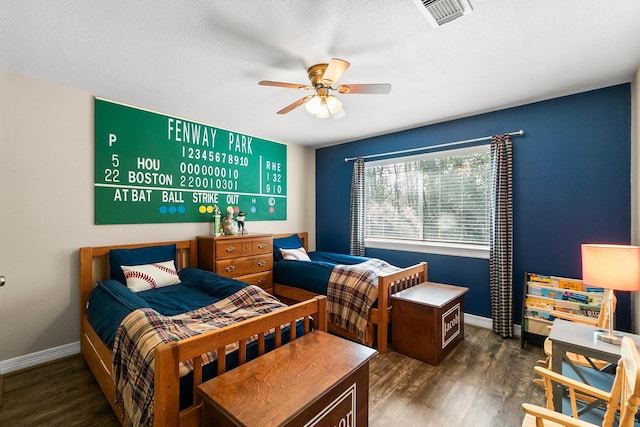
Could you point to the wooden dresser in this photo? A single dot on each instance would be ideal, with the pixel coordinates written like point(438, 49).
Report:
point(248, 258)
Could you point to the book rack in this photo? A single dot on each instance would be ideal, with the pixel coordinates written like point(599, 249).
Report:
point(547, 297)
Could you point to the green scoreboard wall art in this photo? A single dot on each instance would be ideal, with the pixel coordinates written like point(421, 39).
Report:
point(154, 168)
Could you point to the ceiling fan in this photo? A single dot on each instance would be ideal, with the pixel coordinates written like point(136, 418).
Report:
point(322, 78)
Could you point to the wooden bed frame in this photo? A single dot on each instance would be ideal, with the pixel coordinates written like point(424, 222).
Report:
point(377, 332)
point(94, 265)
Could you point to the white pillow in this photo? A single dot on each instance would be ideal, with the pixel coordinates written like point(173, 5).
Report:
point(298, 254)
point(149, 276)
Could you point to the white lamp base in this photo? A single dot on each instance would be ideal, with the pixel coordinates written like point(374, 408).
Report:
point(608, 337)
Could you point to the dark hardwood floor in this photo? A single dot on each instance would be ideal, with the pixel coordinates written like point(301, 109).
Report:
point(482, 382)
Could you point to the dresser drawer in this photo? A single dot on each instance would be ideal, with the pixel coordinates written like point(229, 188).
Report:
point(234, 256)
point(225, 249)
point(262, 245)
point(230, 248)
point(263, 279)
point(244, 265)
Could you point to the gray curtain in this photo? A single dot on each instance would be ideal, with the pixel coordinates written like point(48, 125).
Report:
point(356, 209)
point(501, 236)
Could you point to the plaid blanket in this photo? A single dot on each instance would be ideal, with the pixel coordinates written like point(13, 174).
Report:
point(352, 291)
point(145, 329)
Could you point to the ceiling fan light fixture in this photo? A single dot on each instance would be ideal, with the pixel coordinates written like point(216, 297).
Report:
point(340, 114)
point(323, 111)
point(334, 104)
point(322, 77)
point(313, 105)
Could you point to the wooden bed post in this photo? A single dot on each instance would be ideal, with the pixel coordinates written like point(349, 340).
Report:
point(167, 386)
point(86, 279)
point(383, 323)
point(322, 314)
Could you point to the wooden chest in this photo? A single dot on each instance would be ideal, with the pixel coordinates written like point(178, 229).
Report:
point(248, 258)
point(427, 320)
point(316, 380)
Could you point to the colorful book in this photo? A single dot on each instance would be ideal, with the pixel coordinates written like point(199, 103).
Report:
point(537, 313)
point(533, 277)
point(564, 283)
point(540, 302)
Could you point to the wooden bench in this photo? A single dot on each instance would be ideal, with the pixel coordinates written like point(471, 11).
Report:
point(317, 380)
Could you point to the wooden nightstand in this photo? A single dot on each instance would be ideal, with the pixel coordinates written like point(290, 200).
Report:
point(248, 258)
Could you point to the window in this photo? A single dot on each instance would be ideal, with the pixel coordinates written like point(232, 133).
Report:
point(438, 199)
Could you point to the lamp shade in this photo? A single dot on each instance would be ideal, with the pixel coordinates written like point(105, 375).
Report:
point(614, 267)
point(323, 110)
point(313, 105)
point(334, 104)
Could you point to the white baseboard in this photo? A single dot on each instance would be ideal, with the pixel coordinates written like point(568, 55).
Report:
point(486, 322)
point(482, 322)
point(39, 357)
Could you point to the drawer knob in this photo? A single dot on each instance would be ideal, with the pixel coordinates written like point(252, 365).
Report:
point(261, 282)
point(262, 245)
point(231, 268)
point(262, 263)
point(231, 249)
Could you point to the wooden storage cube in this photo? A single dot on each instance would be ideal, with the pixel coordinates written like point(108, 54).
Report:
point(427, 320)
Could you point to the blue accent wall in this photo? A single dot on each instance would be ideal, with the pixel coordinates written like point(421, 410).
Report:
point(571, 185)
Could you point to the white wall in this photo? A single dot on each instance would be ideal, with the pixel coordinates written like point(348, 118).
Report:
point(46, 211)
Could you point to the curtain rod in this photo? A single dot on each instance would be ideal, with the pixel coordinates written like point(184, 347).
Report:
point(484, 138)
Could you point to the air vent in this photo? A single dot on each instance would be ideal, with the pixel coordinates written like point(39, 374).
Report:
point(440, 12)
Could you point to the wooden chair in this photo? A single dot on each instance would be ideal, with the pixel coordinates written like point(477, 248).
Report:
point(623, 399)
point(602, 321)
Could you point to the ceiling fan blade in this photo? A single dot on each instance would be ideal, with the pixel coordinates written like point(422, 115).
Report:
point(296, 104)
point(334, 71)
point(281, 84)
point(376, 88)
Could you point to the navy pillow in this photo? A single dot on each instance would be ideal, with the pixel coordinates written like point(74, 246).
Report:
point(138, 256)
point(290, 242)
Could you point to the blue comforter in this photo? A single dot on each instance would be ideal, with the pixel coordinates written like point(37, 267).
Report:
point(312, 276)
point(110, 301)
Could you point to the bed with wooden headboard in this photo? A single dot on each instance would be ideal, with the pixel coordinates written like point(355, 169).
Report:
point(377, 329)
point(94, 266)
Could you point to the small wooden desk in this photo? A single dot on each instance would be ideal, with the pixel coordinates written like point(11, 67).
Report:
point(316, 380)
point(427, 320)
point(572, 337)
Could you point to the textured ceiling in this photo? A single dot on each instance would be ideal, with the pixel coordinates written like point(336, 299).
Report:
point(201, 60)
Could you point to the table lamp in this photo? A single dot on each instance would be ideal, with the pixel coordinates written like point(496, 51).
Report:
point(614, 267)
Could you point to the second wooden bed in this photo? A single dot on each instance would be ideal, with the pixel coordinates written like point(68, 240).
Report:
point(377, 330)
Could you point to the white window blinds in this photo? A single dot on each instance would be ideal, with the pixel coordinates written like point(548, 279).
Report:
point(442, 197)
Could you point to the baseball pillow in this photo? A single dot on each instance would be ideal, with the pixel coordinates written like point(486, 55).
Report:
point(138, 256)
point(298, 254)
point(150, 276)
point(289, 242)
